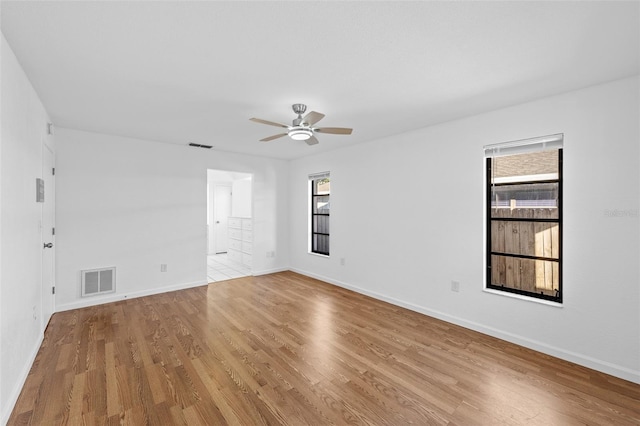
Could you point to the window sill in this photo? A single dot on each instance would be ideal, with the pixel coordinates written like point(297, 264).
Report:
point(525, 298)
point(318, 254)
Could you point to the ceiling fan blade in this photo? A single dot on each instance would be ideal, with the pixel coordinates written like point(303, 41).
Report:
point(334, 130)
point(312, 141)
point(312, 118)
point(270, 138)
point(270, 123)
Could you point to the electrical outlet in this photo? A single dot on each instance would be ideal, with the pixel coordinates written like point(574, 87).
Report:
point(455, 286)
point(163, 267)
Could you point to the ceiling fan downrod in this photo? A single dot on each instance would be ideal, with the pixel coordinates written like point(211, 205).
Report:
point(298, 109)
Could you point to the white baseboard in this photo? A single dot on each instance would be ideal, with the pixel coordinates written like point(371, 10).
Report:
point(580, 359)
point(115, 297)
point(15, 393)
point(269, 271)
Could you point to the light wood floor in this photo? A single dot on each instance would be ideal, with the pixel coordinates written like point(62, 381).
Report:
point(287, 349)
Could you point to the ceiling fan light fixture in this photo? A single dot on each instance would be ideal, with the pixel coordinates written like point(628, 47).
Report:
point(302, 128)
point(300, 134)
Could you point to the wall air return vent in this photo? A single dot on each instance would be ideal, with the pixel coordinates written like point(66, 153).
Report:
point(98, 281)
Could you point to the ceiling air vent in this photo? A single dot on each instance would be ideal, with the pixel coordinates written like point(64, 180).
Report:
point(197, 145)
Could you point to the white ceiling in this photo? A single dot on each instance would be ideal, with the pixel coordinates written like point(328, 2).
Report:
point(188, 71)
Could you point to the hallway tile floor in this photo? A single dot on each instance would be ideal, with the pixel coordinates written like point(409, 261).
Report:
point(220, 268)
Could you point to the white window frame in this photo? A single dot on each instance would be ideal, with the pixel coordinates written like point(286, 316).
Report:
point(551, 142)
point(312, 214)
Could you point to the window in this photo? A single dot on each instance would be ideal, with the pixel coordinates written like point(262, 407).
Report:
point(320, 209)
point(524, 217)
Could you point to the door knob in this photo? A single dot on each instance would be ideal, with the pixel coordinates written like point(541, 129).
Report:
point(48, 245)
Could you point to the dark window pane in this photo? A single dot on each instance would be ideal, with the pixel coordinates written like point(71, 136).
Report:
point(534, 276)
point(321, 224)
point(321, 204)
point(321, 244)
point(531, 201)
point(529, 164)
point(540, 239)
point(321, 186)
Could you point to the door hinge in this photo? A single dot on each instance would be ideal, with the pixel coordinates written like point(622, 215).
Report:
point(53, 290)
point(53, 231)
point(53, 171)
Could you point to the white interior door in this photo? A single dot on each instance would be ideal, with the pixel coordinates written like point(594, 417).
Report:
point(48, 236)
point(221, 213)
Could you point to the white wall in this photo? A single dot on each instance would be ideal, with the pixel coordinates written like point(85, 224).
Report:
point(408, 218)
point(23, 121)
point(136, 204)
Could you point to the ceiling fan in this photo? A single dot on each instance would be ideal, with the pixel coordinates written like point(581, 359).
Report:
point(302, 128)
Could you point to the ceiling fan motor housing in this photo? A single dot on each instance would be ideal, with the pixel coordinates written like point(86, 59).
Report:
point(299, 108)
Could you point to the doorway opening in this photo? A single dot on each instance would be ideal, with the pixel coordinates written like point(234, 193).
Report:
point(229, 225)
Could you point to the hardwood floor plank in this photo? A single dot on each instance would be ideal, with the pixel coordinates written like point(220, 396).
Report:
point(77, 396)
point(288, 349)
point(227, 408)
